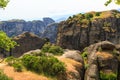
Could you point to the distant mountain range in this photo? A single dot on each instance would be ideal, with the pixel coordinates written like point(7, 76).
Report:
point(15, 27)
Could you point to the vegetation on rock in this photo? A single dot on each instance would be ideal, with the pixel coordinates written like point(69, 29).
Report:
point(48, 47)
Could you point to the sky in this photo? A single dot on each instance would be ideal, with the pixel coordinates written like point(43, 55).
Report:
point(37, 9)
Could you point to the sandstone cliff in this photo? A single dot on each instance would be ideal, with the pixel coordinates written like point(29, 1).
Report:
point(82, 30)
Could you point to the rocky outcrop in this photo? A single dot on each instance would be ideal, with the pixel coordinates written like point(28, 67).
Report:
point(81, 30)
point(101, 58)
point(27, 41)
point(38, 27)
point(51, 32)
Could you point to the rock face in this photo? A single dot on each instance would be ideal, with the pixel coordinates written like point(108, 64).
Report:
point(27, 41)
point(82, 30)
point(102, 58)
point(16, 27)
point(51, 32)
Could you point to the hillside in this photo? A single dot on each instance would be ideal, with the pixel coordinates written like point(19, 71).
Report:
point(81, 30)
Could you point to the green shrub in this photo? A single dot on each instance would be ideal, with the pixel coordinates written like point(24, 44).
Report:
point(15, 62)
point(85, 54)
point(46, 47)
point(18, 67)
point(10, 60)
point(88, 15)
point(48, 65)
point(55, 50)
point(52, 49)
point(97, 14)
point(108, 76)
point(3, 76)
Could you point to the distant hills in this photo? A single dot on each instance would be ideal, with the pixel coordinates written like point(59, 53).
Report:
point(15, 27)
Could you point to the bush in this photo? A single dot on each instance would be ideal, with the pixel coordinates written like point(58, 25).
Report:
point(3, 76)
point(17, 67)
point(15, 62)
point(10, 60)
point(97, 14)
point(55, 50)
point(48, 65)
point(46, 47)
point(52, 49)
point(88, 15)
point(108, 76)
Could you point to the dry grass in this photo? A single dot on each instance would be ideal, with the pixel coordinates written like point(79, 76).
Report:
point(105, 54)
point(71, 66)
point(26, 75)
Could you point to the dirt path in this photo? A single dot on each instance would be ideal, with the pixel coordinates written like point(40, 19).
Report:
point(9, 71)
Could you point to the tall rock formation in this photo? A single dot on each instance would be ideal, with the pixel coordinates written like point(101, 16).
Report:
point(51, 32)
point(82, 30)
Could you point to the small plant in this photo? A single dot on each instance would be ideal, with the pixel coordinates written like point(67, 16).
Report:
point(55, 50)
point(3, 76)
point(97, 14)
point(18, 67)
point(15, 62)
point(100, 49)
point(10, 60)
point(88, 16)
point(115, 51)
point(108, 76)
point(85, 54)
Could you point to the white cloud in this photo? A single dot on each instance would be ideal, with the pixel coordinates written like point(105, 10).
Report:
point(36, 9)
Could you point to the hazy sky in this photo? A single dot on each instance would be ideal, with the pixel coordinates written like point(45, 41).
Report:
point(36, 9)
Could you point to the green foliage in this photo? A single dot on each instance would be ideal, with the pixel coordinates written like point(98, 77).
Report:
point(99, 49)
point(15, 62)
point(3, 76)
point(46, 47)
point(17, 67)
point(52, 49)
point(109, 1)
point(85, 54)
point(48, 65)
point(55, 50)
point(3, 3)
point(108, 76)
point(97, 14)
point(88, 16)
point(10, 60)
point(6, 42)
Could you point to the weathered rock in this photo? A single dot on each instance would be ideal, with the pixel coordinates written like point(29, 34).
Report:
point(104, 60)
point(73, 54)
point(27, 41)
point(51, 32)
point(78, 32)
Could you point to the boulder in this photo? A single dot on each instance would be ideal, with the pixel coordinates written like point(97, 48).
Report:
point(73, 54)
point(27, 42)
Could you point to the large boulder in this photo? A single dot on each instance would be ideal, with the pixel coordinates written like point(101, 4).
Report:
point(27, 41)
